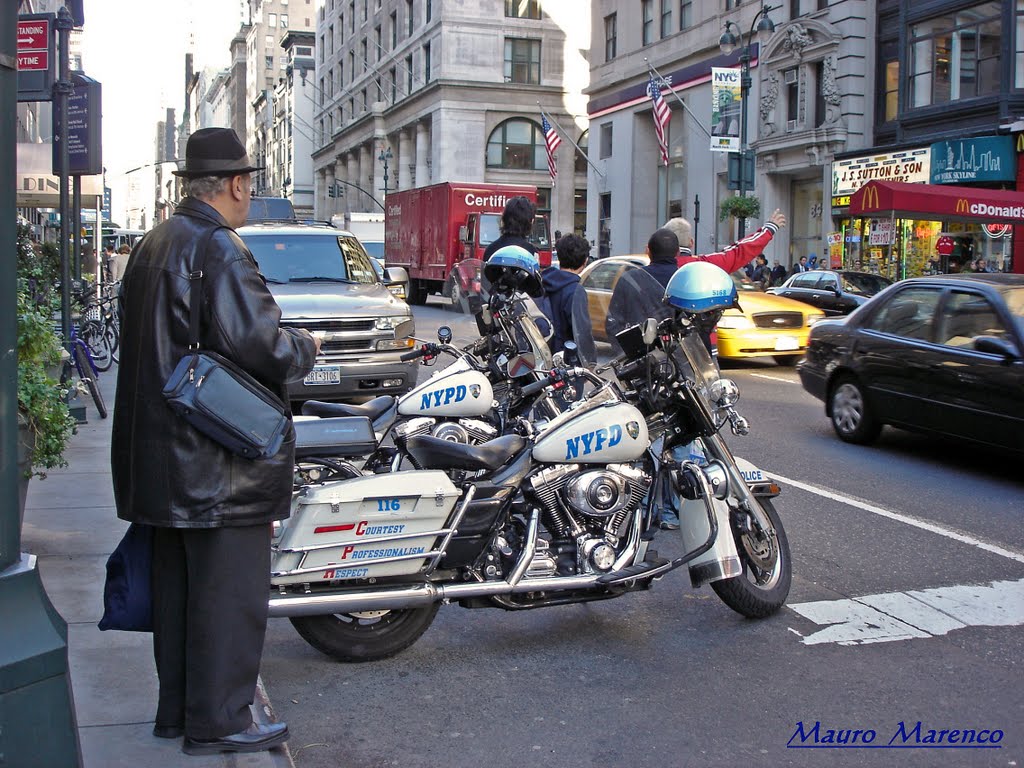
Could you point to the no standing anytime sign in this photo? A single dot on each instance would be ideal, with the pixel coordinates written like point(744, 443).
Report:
point(35, 56)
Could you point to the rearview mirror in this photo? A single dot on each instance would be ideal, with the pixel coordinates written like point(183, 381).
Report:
point(444, 334)
point(396, 275)
point(650, 332)
point(463, 233)
point(521, 364)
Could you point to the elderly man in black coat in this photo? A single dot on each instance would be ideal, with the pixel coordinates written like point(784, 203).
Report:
point(211, 510)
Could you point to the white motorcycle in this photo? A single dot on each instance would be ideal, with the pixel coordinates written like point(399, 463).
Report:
point(562, 512)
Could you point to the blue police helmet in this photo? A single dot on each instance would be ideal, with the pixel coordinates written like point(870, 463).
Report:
point(516, 269)
point(699, 287)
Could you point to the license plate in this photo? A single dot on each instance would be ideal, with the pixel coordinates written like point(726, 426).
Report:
point(328, 374)
point(785, 344)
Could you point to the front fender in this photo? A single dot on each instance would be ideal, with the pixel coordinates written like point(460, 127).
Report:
point(759, 482)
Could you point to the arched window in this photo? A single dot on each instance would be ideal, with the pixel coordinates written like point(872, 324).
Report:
point(581, 160)
point(518, 144)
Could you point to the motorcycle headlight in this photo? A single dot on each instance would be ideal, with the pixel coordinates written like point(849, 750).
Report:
point(724, 393)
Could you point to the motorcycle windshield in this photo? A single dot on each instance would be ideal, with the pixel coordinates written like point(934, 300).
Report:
point(582, 328)
point(637, 297)
point(474, 290)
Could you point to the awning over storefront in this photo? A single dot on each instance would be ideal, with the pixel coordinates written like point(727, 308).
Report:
point(877, 198)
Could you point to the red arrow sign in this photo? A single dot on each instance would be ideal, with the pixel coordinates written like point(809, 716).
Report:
point(33, 35)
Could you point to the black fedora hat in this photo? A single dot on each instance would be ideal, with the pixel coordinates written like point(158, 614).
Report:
point(215, 152)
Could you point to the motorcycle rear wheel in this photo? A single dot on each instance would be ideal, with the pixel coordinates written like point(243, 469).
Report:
point(759, 592)
point(365, 636)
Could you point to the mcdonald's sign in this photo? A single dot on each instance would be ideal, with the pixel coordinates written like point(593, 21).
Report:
point(962, 206)
point(870, 198)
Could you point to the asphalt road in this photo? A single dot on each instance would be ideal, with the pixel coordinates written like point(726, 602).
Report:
point(906, 608)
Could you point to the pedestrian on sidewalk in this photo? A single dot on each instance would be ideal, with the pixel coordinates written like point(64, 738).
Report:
point(211, 510)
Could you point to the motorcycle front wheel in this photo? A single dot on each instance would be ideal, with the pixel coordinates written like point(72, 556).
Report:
point(366, 635)
point(763, 586)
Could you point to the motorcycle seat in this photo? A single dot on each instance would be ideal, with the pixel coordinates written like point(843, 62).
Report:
point(434, 453)
point(373, 409)
point(338, 437)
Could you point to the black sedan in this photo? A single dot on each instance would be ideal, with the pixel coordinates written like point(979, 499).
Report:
point(942, 354)
point(835, 292)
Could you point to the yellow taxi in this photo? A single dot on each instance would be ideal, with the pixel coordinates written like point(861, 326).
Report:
point(764, 326)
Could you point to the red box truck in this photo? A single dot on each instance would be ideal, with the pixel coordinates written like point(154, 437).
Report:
point(429, 229)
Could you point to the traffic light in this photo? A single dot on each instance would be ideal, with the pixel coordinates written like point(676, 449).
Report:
point(330, 191)
point(335, 190)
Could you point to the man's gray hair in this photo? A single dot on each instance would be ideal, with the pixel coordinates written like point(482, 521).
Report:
point(681, 229)
point(206, 187)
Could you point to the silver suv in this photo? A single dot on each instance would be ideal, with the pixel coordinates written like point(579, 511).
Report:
point(324, 281)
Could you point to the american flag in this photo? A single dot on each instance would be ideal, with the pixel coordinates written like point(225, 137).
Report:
point(553, 141)
point(662, 116)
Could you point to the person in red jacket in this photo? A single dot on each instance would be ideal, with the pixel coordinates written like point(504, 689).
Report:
point(737, 255)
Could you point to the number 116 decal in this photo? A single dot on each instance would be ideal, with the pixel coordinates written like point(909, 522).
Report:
point(389, 505)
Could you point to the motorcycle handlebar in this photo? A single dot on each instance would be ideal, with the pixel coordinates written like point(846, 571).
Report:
point(421, 352)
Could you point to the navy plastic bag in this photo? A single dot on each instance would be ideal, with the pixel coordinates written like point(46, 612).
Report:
point(128, 592)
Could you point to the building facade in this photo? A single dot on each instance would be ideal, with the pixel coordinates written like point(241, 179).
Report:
point(806, 103)
point(265, 61)
point(947, 112)
point(415, 92)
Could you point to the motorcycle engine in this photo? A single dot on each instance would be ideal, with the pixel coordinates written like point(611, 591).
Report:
point(590, 506)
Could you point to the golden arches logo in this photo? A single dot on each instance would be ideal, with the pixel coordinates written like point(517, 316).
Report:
point(962, 206)
point(870, 197)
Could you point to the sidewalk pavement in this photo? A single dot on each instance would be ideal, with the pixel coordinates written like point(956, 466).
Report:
point(72, 527)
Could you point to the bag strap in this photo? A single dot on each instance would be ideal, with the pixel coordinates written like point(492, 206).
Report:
point(195, 279)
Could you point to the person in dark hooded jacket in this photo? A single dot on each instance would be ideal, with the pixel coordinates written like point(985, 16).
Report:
point(562, 291)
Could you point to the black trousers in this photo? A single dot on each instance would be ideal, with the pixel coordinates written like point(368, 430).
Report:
point(210, 591)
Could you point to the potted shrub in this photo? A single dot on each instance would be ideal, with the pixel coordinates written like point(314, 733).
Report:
point(44, 424)
point(745, 207)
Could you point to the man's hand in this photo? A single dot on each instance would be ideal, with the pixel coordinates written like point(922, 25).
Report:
point(778, 218)
point(317, 341)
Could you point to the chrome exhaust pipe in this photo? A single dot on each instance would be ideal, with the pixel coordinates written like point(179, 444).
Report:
point(283, 606)
point(325, 603)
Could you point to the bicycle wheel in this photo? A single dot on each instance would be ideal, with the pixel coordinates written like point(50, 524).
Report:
point(95, 337)
point(113, 338)
point(89, 377)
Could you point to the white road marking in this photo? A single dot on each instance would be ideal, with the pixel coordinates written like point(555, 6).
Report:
point(963, 538)
point(772, 378)
point(895, 616)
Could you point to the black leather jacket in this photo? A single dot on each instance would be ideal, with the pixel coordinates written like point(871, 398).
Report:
point(165, 472)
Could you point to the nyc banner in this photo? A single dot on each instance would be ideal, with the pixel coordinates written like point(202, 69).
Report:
point(726, 108)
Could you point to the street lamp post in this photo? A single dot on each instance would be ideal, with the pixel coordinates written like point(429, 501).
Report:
point(385, 156)
point(728, 42)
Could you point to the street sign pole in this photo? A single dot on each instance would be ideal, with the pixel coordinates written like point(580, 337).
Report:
point(61, 90)
point(39, 726)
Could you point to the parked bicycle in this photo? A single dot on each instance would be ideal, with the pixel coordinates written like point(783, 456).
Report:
point(85, 365)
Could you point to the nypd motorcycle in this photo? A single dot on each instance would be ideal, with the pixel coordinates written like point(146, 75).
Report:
point(474, 399)
point(561, 511)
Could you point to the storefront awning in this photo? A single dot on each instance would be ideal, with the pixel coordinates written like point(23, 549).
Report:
point(947, 203)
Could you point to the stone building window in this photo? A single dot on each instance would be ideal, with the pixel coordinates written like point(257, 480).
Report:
point(522, 61)
point(646, 22)
point(517, 144)
point(522, 9)
point(685, 14)
point(581, 159)
point(609, 36)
